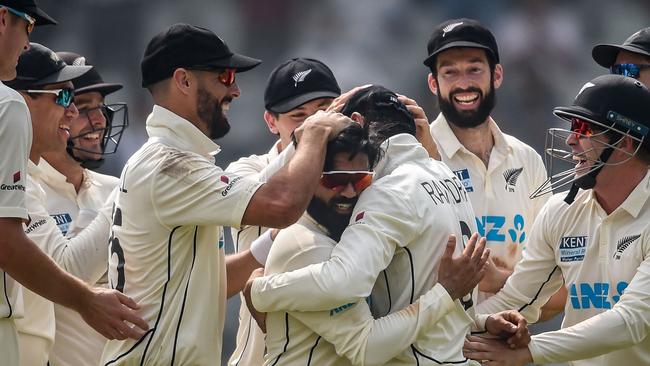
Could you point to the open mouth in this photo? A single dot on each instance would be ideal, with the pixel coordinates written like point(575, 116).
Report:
point(469, 99)
point(343, 207)
point(64, 130)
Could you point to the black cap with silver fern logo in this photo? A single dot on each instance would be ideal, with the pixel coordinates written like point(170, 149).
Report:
point(615, 107)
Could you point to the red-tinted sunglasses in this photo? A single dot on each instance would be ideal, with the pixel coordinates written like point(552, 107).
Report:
point(337, 180)
point(227, 77)
point(582, 127)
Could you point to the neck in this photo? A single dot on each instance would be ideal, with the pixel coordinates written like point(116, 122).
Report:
point(478, 140)
point(614, 185)
point(66, 165)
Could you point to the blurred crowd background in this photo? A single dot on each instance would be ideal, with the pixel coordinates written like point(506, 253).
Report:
point(545, 48)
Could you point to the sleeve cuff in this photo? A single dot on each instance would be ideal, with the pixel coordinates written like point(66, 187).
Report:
point(535, 352)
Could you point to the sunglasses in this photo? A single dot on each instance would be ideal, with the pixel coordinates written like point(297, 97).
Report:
point(31, 22)
point(64, 97)
point(581, 127)
point(337, 180)
point(225, 77)
point(631, 70)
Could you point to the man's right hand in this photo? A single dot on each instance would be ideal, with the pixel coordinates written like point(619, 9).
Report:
point(331, 123)
point(107, 311)
point(461, 274)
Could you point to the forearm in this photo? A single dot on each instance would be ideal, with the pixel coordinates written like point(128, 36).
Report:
point(238, 268)
point(26, 263)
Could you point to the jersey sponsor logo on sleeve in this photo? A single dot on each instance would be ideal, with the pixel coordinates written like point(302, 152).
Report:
point(33, 225)
point(573, 248)
point(14, 186)
point(594, 295)
point(16, 177)
point(463, 175)
point(511, 176)
point(359, 216)
point(341, 308)
point(230, 183)
point(623, 244)
point(63, 221)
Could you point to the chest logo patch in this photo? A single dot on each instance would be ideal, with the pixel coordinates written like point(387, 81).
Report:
point(63, 221)
point(623, 244)
point(511, 176)
point(463, 175)
point(573, 248)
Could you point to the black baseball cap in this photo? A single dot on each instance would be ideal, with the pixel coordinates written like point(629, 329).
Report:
point(185, 45)
point(91, 81)
point(605, 54)
point(610, 100)
point(40, 66)
point(461, 32)
point(298, 81)
point(29, 7)
point(376, 99)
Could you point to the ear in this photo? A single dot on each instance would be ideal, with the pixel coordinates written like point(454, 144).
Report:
point(498, 76)
point(271, 123)
point(433, 85)
point(358, 118)
point(183, 80)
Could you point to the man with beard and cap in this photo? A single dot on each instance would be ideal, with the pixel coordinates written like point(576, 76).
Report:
point(75, 194)
point(20, 257)
point(498, 171)
point(593, 239)
point(40, 73)
point(296, 89)
point(632, 58)
point(398, 240)
point(173, 201)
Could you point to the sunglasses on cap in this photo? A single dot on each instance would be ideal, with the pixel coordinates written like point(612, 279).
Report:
point(64, 97)
point(337, 180)
point(581, 127)
point(31, 22)
point(631, 70)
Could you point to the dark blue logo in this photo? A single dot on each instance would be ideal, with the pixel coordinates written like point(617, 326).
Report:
point(573, 248)
point(463, 175)
point(62, 221)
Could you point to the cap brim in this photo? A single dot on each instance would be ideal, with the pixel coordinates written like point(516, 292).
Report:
point(67, 73)
point(566, 113)
point(456, 44)
point(42, 18)
point(103, 88)
point(292, 103)
point(238, 62)
point(605, 54)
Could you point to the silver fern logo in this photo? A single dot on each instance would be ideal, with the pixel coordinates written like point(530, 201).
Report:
point(79, 61)
point(450, 28)
point(300, 77)
point(623, 244)
point(511, 176)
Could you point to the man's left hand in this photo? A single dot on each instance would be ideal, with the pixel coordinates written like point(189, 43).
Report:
point(493, 352)
point(260, 318)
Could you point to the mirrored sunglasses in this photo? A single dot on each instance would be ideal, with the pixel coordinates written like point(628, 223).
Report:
point(631, 70)
point(582, 127)
point(337, 180)
point(64, 97)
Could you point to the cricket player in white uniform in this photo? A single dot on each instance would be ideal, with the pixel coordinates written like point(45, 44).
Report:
point(39, 72)
point(75, 194)
point(594, 239)
point(399, 226)
point(173, 201)
point(296, 89)
point(498, 171)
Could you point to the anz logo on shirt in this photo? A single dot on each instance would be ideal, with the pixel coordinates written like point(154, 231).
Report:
point(497, 229)
point(63, 221)
point(594, 295)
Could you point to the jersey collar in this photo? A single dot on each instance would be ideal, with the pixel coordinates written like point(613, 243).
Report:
point(637, 199)
point(179, 132)
point(450, 145)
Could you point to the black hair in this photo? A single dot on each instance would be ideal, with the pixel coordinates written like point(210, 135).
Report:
point(352, 140)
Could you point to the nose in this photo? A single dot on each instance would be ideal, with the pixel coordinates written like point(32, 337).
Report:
point(97, 119)
point(349, 191)
point(72, 112)
point(572, 139)
point(234, 90)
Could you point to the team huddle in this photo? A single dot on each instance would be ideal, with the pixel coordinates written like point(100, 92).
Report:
point(366, 235)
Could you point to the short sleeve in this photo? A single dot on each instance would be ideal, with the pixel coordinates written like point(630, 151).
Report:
point(15, 143)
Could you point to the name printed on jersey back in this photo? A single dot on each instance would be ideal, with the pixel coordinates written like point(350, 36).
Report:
point(445, 191)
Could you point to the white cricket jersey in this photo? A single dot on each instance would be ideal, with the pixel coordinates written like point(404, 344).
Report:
point(604, 260)
point(499, 192)
point(400, 226)
point(75, 342)
point(15, 143)
point(250, 338)
point(165, 250)
point(347, 334)
point(84, 256)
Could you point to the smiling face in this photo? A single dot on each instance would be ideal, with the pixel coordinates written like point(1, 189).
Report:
point(14, 39)
point(465, 85)
point(88, 129)
point(283, 124)
point(50, 121)
point(587, 142)
point(213, 100)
